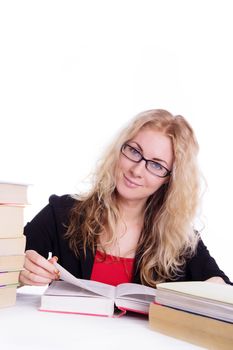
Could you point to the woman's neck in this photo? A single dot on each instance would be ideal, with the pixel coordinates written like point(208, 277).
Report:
point(131, 212)
point(127, 230)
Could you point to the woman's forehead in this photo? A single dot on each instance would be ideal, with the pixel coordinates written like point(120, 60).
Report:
point(154, 144)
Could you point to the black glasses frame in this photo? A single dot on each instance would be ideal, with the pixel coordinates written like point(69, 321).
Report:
point(168, 172)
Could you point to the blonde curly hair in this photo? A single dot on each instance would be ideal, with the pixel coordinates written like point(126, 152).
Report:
point(168, 237)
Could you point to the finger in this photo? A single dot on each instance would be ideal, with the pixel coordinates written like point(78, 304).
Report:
point(40, 261)
point(53, 259)
point(216, 279)
point(29, 278)
point(32, 267)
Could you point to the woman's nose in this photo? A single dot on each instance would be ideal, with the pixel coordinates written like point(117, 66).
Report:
point(138, 169)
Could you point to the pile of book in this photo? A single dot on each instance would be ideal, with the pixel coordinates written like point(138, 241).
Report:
point(197, 312)
point(13, 198)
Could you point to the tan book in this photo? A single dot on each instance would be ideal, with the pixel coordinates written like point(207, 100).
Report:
point(205, 298)
point(11, 221)
point(11, 277)
point(8, 295)
point(11, 262)
point(13, 193)
point(196, 329)
point(12, 246)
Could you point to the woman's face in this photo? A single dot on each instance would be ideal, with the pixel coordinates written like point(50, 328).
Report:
point(134, 182)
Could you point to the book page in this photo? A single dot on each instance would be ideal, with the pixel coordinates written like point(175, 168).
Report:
point(134, 290)
point(67, 289)
point(206, 290)
point(134, 297)
point(99, 288)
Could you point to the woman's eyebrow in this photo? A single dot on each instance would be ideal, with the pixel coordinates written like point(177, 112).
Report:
point(137, 145)
point(160, 160)
point(156, 159)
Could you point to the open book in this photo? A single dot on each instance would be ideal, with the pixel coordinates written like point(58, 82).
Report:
point(74, 295)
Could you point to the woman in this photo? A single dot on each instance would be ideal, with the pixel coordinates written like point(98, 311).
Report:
point(136, 223)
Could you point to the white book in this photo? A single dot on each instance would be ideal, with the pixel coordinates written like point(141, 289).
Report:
point(74, 295)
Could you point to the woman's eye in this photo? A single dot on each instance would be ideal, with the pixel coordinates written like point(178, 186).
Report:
point(156, 165)
point(134, 151)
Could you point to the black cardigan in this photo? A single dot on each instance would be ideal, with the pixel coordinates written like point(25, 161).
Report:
point(45, 233)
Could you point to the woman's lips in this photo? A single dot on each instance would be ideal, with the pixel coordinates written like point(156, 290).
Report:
point(131, 183)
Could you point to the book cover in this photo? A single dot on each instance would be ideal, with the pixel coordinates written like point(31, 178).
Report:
point(196, 329)
point(9, 277)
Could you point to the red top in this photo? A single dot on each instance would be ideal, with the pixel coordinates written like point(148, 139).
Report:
point(112, 269)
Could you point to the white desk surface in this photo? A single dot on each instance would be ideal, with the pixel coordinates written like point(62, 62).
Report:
point(23, 327)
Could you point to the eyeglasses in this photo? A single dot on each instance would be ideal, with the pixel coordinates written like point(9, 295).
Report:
point(135, 156)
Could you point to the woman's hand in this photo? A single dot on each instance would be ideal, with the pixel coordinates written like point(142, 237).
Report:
point(38, 271)
point(216, 280)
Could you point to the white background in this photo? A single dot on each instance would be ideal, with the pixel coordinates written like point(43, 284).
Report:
point(73, 72)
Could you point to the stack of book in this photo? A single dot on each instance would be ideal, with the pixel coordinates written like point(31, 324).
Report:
point(13, 198)
point(198, 312)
